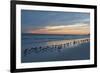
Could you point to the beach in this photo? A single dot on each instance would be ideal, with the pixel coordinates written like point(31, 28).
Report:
point(43, 48)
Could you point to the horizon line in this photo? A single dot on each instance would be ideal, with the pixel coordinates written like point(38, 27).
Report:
point(55, 34)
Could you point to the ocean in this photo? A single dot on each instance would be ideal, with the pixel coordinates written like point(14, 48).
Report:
point(44, 47)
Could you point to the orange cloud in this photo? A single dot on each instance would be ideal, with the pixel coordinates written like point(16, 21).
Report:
point(68, 29)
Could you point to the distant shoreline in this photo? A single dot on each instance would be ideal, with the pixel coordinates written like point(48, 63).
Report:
point(55, 34)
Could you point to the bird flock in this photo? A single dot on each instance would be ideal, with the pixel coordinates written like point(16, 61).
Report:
point(58, 46)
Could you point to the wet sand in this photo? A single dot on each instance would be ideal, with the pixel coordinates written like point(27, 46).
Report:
point(75, 49)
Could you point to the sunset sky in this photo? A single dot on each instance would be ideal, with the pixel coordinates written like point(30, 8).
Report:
point(52, 22)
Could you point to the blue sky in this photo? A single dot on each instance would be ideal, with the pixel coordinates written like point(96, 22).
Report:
point(32, 19)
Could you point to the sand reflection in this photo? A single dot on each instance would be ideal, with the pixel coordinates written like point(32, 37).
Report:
point(68, 43)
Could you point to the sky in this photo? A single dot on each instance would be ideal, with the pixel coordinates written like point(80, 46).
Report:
point(52, 22)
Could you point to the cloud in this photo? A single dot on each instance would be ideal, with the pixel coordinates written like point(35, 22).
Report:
point(79, 28)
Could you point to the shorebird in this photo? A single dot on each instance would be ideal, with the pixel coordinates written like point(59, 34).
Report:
point(25, 52)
